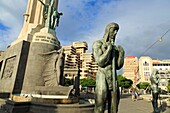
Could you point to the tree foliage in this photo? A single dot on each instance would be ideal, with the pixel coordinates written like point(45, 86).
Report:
point(68, 82)
point(124, 82)
point(143, 85)
point(168, 87)
point(87, 82)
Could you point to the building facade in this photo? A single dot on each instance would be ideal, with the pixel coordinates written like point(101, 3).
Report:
point(71, 64)
point(77, 59)
point(146, 65)
point(130, 68)
point(81, 47)
point(141, 70)
point(145, 68)
point(89, 66)
point(164, 70)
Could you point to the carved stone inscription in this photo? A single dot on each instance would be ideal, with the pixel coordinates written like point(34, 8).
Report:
point(9, 68)
point(45, 39)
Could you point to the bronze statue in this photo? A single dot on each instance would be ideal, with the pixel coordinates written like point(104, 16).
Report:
point(50, 14)
point(109, 58)
point(155, 78)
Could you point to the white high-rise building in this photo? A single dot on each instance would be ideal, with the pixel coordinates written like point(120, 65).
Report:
point(145, 68)
point(71, 64)
point(76, 58)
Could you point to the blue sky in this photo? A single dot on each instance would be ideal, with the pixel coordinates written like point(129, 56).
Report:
point(142, 22)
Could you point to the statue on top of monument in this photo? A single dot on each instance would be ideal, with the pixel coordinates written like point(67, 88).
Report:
point(50, 13)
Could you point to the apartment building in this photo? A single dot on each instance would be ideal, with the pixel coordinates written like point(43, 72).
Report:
point(164, 70)
point(146, 65)
point(130, 68)
point(77, 58)
point(88, 65)
point(145, 68)
point(81, 47)
point(71, 64)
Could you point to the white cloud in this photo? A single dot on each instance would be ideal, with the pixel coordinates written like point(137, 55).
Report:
point(141, 23)
point(11, 17)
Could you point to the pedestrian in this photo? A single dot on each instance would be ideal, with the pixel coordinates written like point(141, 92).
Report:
point(133, 94)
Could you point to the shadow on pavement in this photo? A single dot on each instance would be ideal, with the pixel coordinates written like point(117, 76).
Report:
point(125, 95)
point(163, 108)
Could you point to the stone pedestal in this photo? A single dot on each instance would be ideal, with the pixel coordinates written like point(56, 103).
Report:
point(14, 61)
point(16, 107)
point(37, 107)
point(35, 66)
point(61, 108)
point(22, 67)
point(47, 36)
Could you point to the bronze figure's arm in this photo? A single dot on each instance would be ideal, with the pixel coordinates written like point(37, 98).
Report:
point(101, 57)
point(155, 77)
point(120, 53)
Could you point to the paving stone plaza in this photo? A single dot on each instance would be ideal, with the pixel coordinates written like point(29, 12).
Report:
point(129, 106)
point(140, 106)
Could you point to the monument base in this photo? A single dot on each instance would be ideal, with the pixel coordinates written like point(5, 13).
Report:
point(61, 108)
point(39, 107)
point(16, 107)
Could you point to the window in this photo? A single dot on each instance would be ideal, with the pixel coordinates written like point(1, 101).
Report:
point(145, 64)
point(163, 84)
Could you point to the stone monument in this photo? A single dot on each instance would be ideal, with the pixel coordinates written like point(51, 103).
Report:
point(35, 59)
point(31, 69)
point(109, 58)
